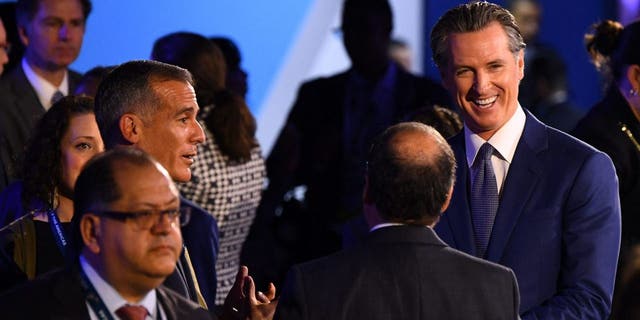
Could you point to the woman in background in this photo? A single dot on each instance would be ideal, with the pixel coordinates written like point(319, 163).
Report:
point(613, 124)
point(35, 213)
point(229, 172)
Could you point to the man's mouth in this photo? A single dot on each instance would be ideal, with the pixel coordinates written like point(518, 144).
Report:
point(485, 103)
point(190, 157)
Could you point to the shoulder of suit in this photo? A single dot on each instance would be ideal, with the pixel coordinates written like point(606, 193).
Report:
point(170, 299)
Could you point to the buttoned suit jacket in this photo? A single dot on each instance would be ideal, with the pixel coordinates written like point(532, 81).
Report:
point(58, 295)
point(557, 224)
point(20, 110)
point(399, 272)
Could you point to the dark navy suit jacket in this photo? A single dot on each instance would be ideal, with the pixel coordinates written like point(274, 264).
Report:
point(201, 239)
point(557, 225)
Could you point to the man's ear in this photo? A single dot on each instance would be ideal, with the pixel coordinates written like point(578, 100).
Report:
point(447, 201)
point(366, 193)
point(24, 37)
point(131, 127)
point(90, 232)
point(520, 63)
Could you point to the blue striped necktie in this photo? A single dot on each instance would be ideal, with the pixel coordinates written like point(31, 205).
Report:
point(484, 199)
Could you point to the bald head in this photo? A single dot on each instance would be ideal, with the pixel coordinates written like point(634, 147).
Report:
point(410, 172)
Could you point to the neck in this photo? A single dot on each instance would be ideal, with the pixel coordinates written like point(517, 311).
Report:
point(65, 209)
point(131, 291)
point(53, 76)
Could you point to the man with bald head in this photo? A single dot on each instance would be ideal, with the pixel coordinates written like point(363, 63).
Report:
point(402, 270)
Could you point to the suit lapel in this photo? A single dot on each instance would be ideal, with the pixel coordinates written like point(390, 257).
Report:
point(25, 98)
point(523, 175)
point(70, 302)
point(459, 214)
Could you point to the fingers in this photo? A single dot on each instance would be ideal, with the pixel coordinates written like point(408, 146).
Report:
point(251, 291)
point(271, 293)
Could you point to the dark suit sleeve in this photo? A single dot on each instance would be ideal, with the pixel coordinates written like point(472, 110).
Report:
point(591, 241)
point(200, 237)
point(292, 304)
point(515, 291)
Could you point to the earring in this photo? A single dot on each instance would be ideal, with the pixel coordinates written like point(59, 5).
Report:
point(633, 92)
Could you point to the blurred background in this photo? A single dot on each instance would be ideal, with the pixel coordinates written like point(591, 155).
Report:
point(285, 42)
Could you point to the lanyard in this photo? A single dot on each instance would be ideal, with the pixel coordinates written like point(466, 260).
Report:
point(97, 305)
point(58, 232)
point(92, 296)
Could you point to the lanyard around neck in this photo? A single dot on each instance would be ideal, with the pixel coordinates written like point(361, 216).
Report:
point(95, 301)
point(58, 232)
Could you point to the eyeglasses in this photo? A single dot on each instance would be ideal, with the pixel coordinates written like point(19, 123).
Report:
point(146, 219)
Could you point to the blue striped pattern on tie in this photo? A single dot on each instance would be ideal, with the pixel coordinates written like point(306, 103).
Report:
point(484, 199)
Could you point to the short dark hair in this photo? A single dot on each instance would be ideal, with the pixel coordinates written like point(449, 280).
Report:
point(42, 165)
point(472, 17)
point(410, 188)
point(96, 187)
point(27, 9)
point(128, 89)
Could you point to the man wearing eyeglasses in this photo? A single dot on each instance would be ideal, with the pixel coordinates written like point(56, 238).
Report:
point(126, 236)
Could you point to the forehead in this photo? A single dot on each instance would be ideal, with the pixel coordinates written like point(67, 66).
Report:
point(487, 43)
point(143, 185)
point(175, 95)
point(59, 8)
point(83, 125)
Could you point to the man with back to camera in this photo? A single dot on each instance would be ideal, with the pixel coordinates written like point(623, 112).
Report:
point(52, 32)
point(330, 127)
point(402, 270)
point(526, 195)
point(152, 106)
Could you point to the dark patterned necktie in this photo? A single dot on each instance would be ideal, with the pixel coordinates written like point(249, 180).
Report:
point(129, 312)
point(56, 96)
point(484, 199)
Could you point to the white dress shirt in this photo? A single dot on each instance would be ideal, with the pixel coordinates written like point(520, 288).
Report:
point(113, 300)
point(44, 89)
point(504, 141)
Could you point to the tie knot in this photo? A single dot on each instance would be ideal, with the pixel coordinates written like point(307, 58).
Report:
point(129, 312)
point(56, 96)
point(485, 152)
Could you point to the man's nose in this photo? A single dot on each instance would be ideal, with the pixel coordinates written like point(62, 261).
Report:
point(63, 33)
point(198, 135)
point(481, 82)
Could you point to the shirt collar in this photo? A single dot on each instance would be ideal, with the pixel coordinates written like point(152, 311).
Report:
point(44, 89)
point(111, 298)
point(388, 224)
point(505, 140)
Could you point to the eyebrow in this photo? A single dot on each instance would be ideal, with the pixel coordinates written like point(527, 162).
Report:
point(186, 110)
point(173, 201)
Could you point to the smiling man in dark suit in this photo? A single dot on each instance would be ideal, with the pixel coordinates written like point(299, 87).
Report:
point(526, 196)
point(402, 270)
